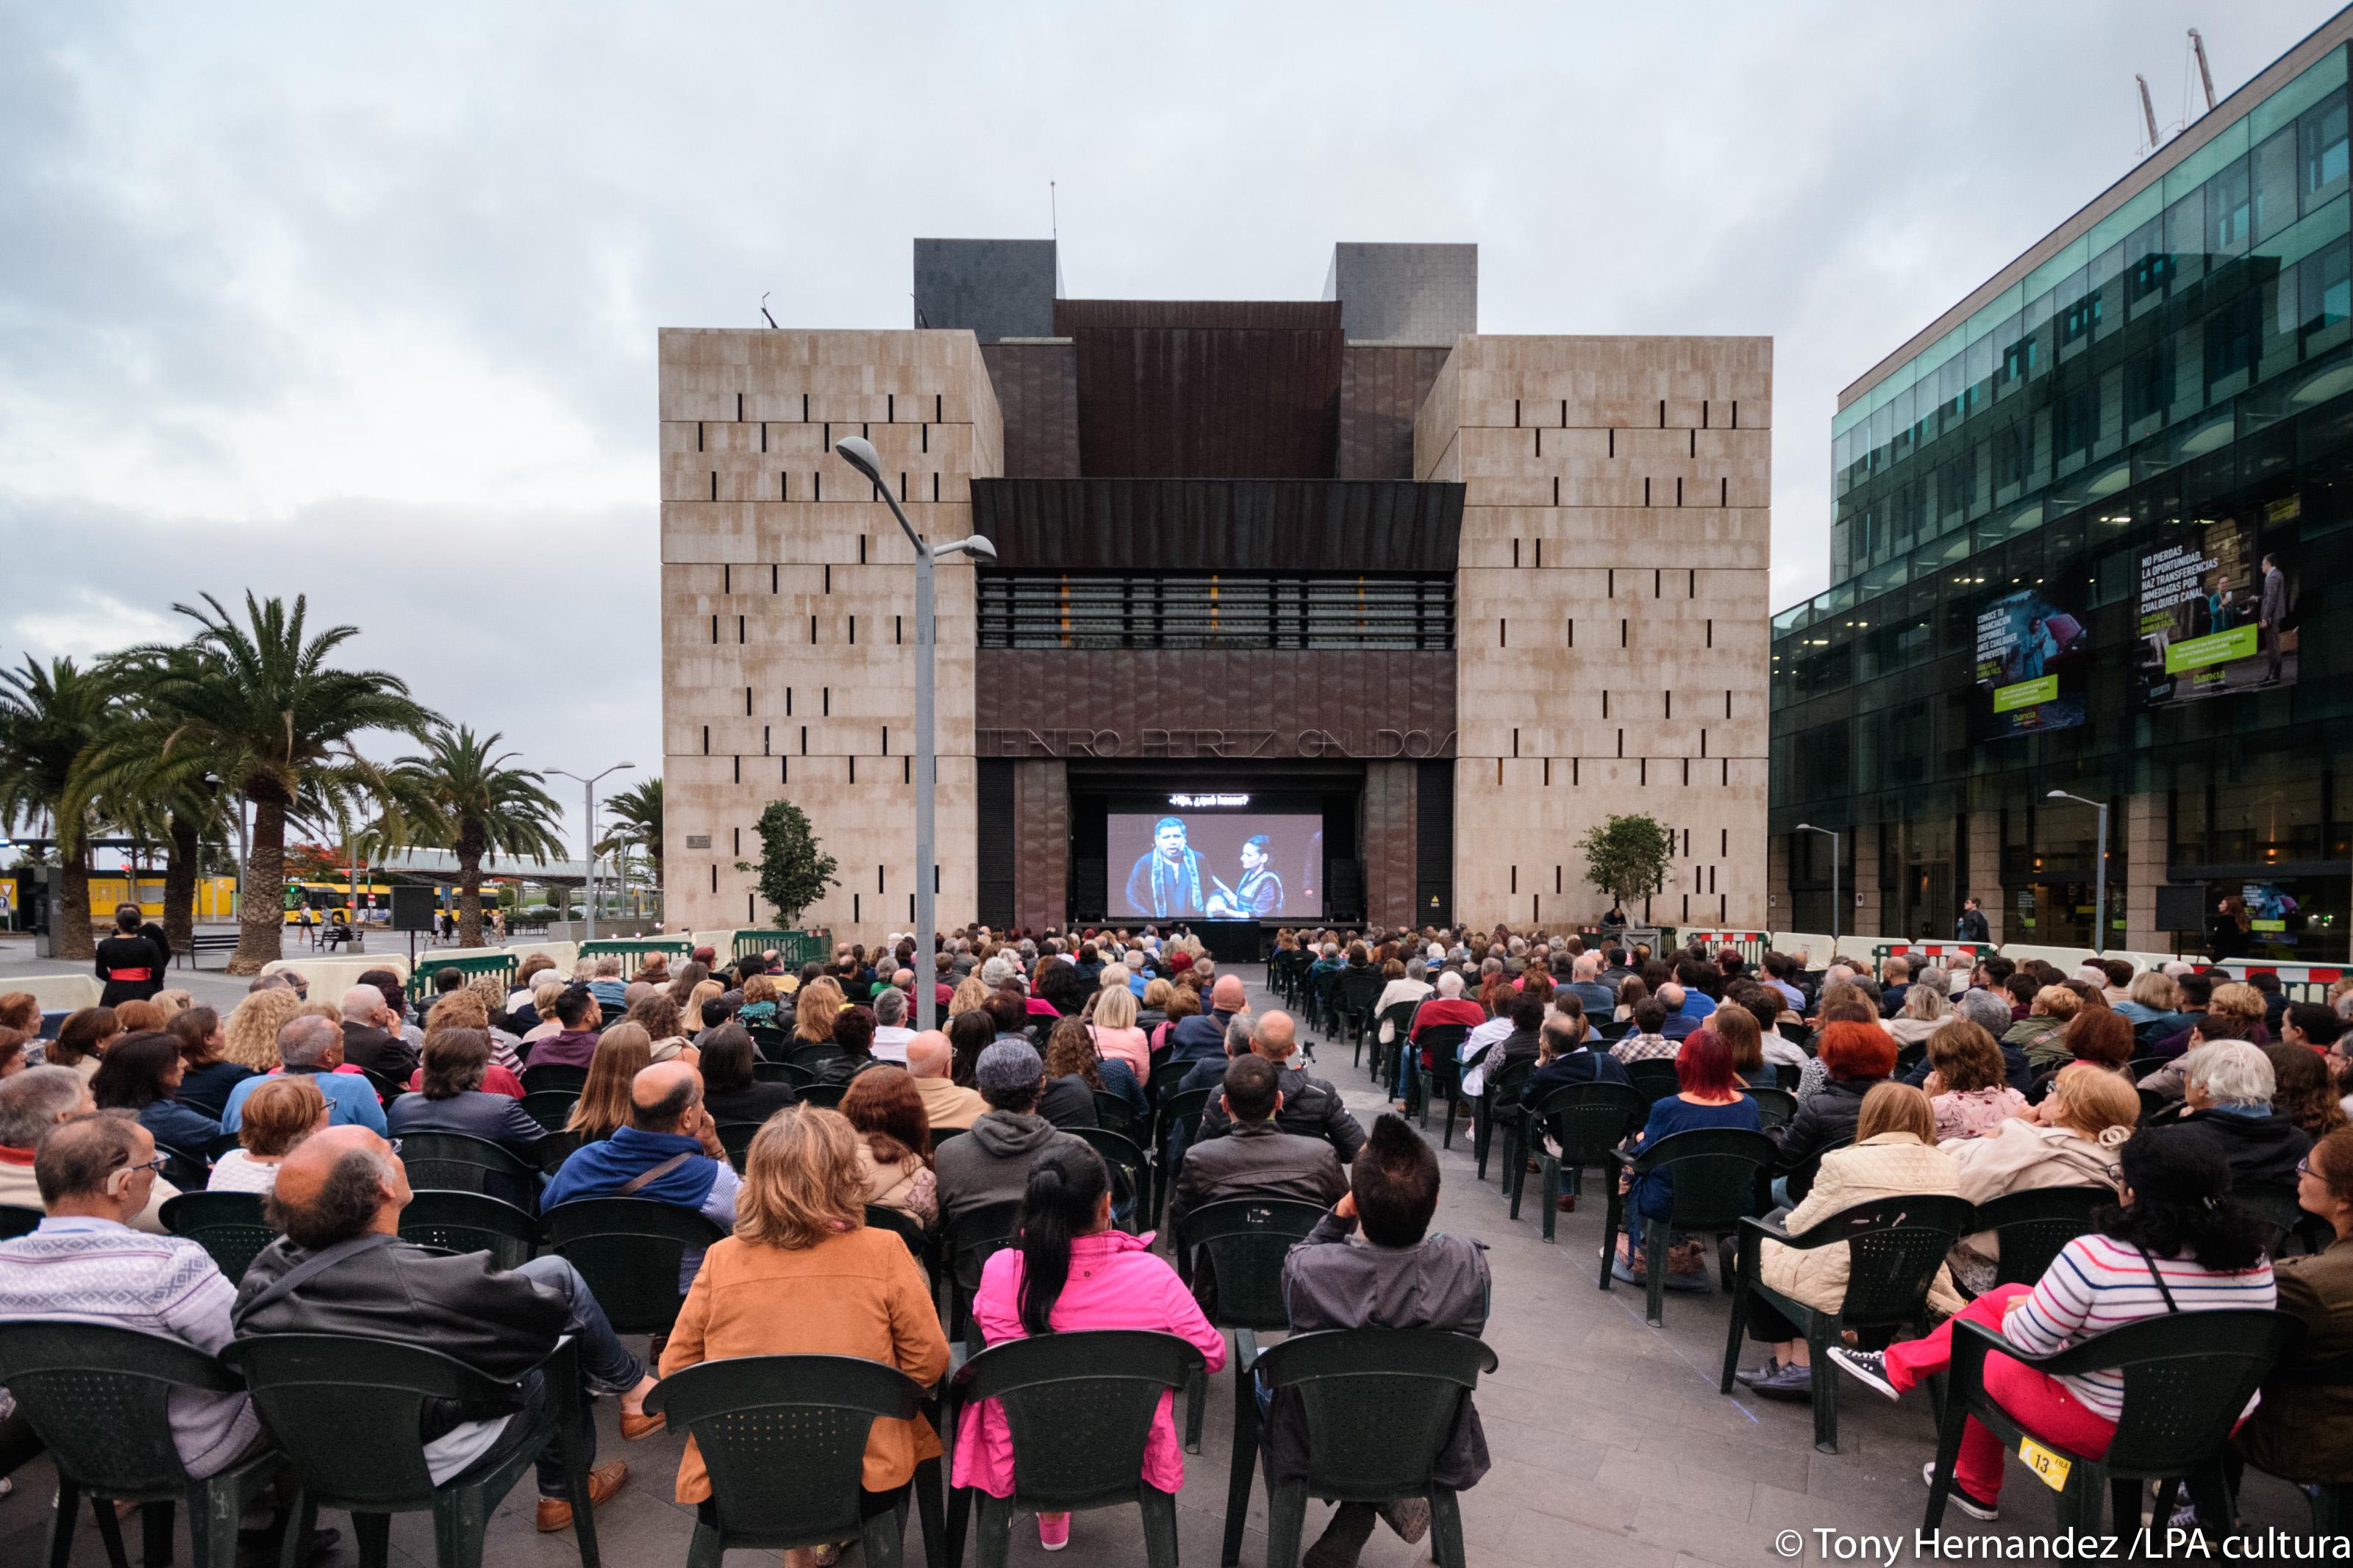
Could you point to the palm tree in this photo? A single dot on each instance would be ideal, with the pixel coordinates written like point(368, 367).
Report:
point(462, 794)
point(48, 718)
point(258, 704)
point(126, 778)
point(637, 816)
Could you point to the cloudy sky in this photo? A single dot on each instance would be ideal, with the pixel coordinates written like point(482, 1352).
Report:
point(364, 306)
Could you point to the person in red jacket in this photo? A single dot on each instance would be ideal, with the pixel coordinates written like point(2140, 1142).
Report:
point(1447, 1006)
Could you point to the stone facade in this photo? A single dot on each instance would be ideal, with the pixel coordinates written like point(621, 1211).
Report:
point(788, 659)
point(1611, 613)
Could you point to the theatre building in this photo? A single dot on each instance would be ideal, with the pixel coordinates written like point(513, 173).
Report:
point(1301, 610)
point(2090, 534)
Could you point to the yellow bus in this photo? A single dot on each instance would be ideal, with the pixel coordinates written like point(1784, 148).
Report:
point(323, 898)
point(216, 898)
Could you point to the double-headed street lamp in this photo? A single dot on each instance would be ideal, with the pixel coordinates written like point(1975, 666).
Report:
point(2100, 894)
point(588, 785)
point(859, 454)
point(1809, 827)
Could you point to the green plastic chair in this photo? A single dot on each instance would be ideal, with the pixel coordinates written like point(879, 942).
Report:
point(2188, 1377)
point(1444, 1078)
point(1774, 1107)
point(1246, 1241)
point(551, 1108)
point(1587, 1121)
point(470, 1221)
point(757, 1418)
point(97, 1397)
point(967, 1242)
point(2031, 1226)
point(825, 1094)
point(558, 1147)
point(629, 1250)
point(1379, 1405)
point(453, 1162)
point(1175, 1109)
point(1166, 1076)
point(1655, 1076)
point(906, 1227)
point(221, 1145)
point(1131, 1172)
point(816, 1056)
point(792, 1073)
point(1113, 1112)
point(770, 1042)
point(1715, 1171)
point(553, 1077)
point(346, 1409)
point(186, 1169)
point(17, 1220)
point(228, 1225)
point(735, 1137)
point(1503, 1087)
point(1894, 1246)
point(1399, 1016)
point(1080, 1407)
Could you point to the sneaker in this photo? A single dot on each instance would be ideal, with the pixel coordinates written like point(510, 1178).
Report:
point(1787, 1381)
point(1968, 1505)
point(1866, 1367)
point(1751, 1377)
point(1053, 1531)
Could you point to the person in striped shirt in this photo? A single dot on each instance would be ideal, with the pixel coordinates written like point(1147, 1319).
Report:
point(2181, 1243)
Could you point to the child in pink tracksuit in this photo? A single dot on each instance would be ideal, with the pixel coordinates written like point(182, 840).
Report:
point(1070, 1270)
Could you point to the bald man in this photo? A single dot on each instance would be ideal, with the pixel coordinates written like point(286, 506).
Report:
point(96, 1174)
point(1202, 1037)
point(931, 1061)
point(669, 1152)
point(1310, 1106)
point(339, 1196)
point(371, 1038)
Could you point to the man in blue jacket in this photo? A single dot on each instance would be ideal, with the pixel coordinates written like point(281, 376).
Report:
point(659, 1156)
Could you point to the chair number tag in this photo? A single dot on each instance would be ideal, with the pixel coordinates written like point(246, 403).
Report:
point(2046, 1465)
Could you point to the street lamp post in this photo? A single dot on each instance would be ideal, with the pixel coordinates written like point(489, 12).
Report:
point(2100, 872)
point(1835, 911)
point(588, 843)
point(859, 454)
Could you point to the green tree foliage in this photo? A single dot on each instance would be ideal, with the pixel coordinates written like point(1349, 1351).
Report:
point(637, 814)
point(793, 874)
point(48, 719)
point(1628, 858)
point(461, 796)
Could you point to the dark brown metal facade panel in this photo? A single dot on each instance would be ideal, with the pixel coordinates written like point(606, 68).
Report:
point(1266, 706)
point(1042, 875)
point(1038, 398)
point(1381, 391)
point(1221, 525)
point(1389, 831)
point(1219, 389)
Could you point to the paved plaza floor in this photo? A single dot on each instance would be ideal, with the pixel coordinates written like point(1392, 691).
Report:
point(1612, 1446)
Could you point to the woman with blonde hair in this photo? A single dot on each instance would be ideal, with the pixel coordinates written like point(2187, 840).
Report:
point(544, 999)
point(1114, 1033)
point(1894, 1155)
point(689, 1017)
point(970, 993)
point(803, 1275)
point(759, 1009)
point(173, 1003)
point(1968, 1083)
point(814, 1010)
point(622, 1052)
point(1926, 1007)
point(1152, 1011)
point(252, 1035)
point(2069, 1139)
point(689, 975)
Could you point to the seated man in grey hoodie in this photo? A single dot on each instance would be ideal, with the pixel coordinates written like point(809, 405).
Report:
point(1400, 1276)
point(990, 1165)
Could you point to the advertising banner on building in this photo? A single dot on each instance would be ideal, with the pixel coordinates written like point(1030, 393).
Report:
point(2217, 613)
point(2030, 659)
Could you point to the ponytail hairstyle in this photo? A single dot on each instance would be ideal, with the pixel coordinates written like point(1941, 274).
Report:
point(2181, 1206)
point(1067, 1187)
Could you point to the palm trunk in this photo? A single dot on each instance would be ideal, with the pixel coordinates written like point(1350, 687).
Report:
point(69, 921)
point(261, 923)
point(470, 900)
point(180, 886)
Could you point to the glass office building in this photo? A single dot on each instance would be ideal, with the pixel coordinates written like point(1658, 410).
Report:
point(2085, 532)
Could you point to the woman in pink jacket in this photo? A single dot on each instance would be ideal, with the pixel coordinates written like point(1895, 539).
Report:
point(1070, 1270)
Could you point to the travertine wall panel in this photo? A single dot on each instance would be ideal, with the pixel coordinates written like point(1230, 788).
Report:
point(788, 643)
point(1612, 635)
